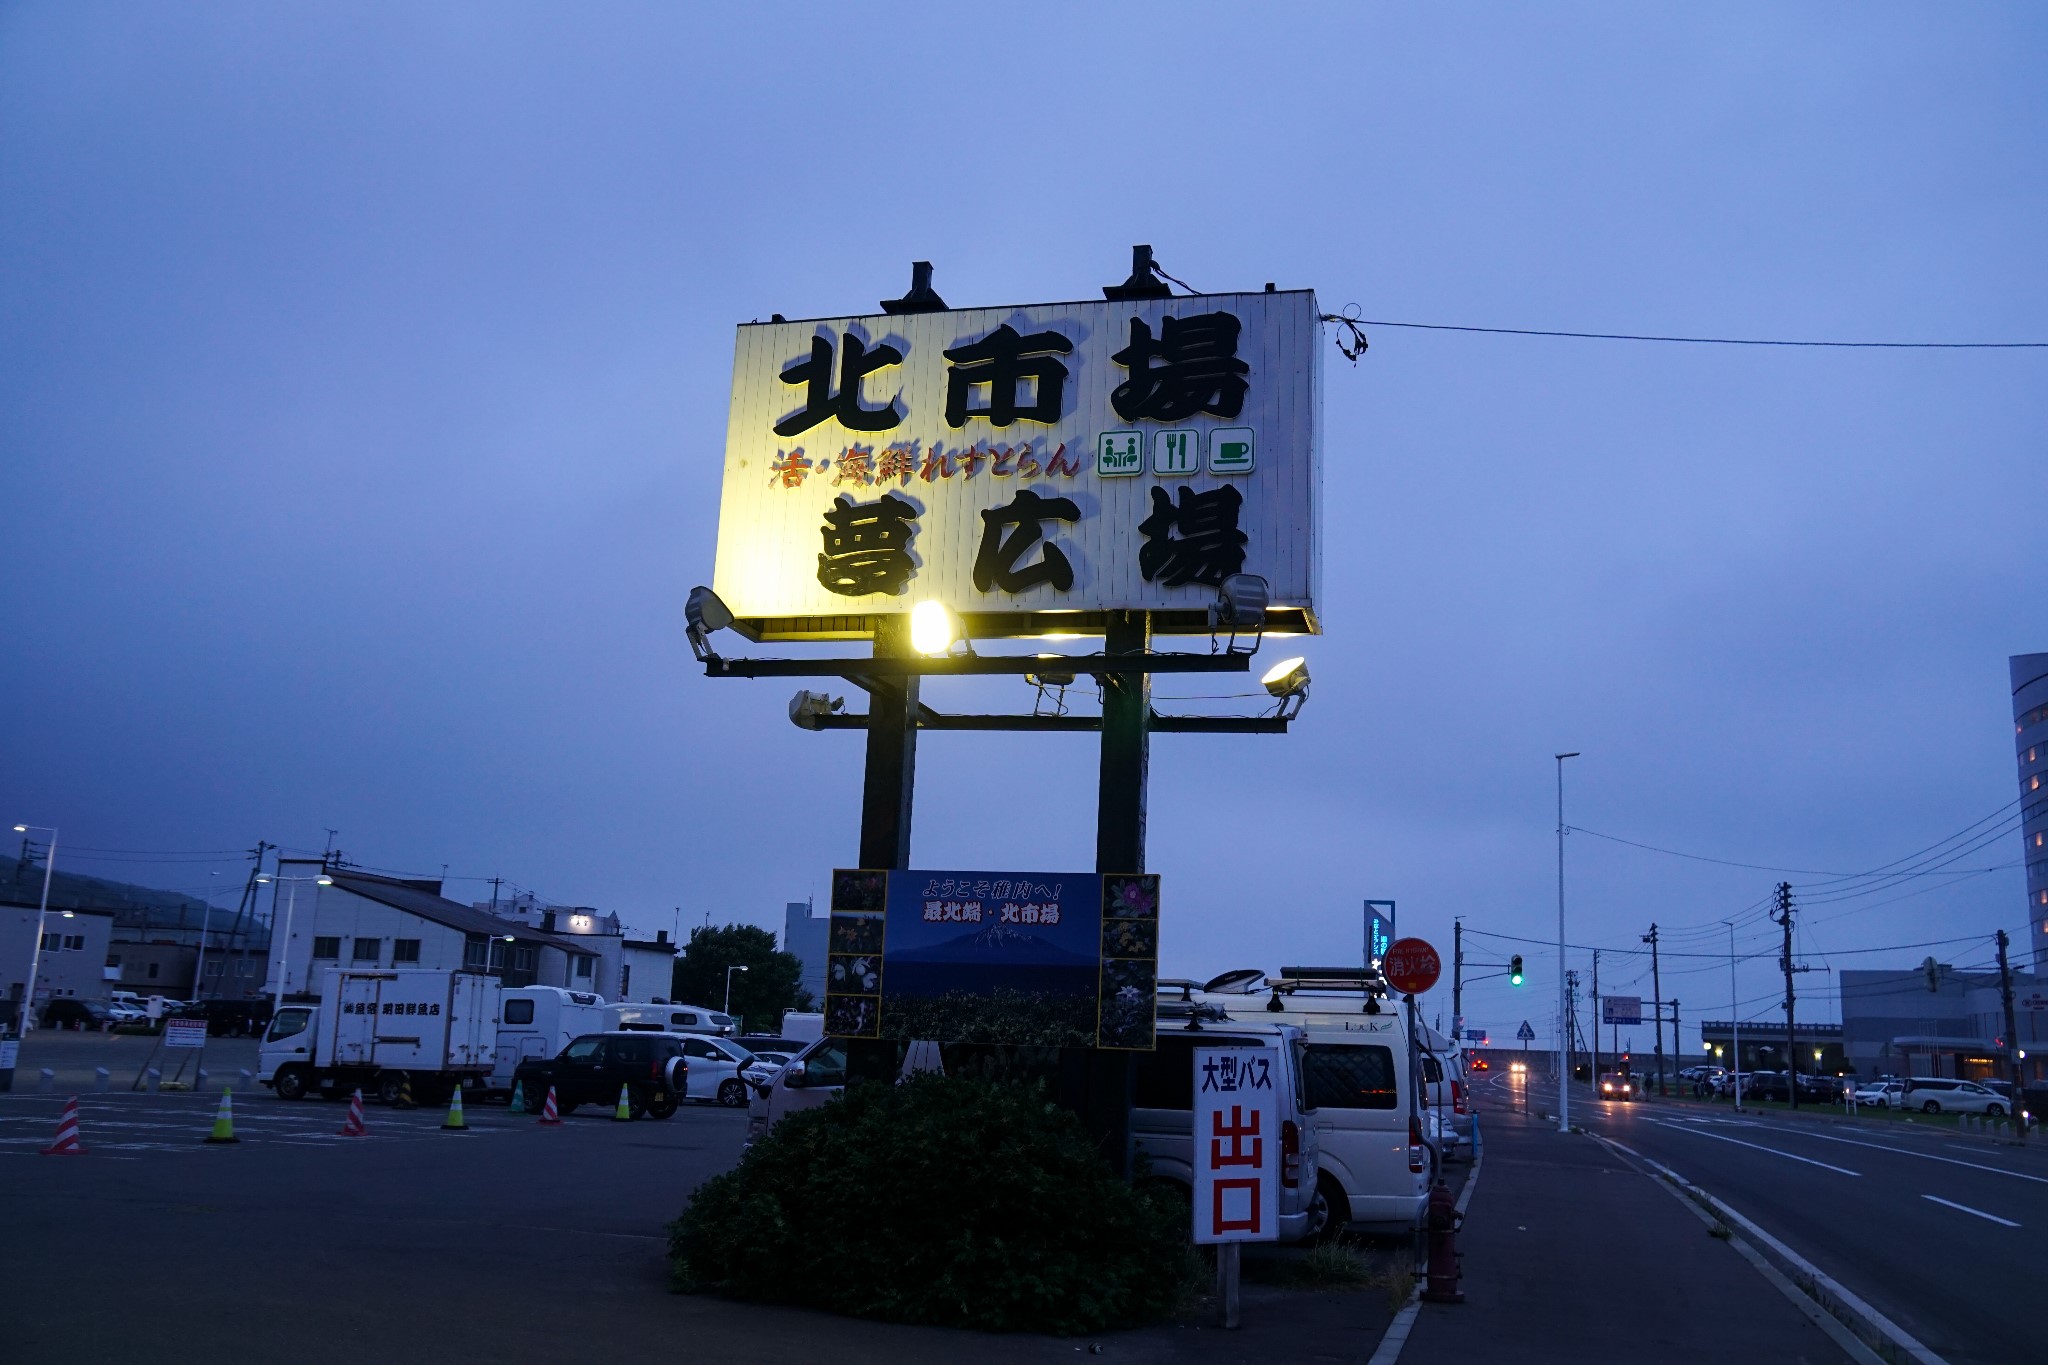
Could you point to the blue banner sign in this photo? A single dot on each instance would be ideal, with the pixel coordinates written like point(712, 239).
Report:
point(1047, 959)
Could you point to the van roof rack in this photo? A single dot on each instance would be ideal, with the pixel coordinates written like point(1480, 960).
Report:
point(1292, 979)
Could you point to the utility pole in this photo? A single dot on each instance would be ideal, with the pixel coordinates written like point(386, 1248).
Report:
point(1458, 979)
point(1593, 1074)
point(1657, 1003)
point(495, 883)
point(1783, 916)
point(1570, 1022)
point(2012, 1039)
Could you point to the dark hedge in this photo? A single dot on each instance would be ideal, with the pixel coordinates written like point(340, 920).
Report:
point(966, 1203)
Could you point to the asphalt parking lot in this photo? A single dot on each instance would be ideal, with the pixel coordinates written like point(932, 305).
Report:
point(517, 1242)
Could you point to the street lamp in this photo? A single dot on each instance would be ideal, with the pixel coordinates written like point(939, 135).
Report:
point(728, 985)
point(35, 953)
point(1564, 1100)
point(283, 944)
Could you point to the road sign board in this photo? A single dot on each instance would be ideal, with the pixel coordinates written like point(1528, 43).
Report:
point(1412, 966)
point(1237, 1144)
point(1621, 1009)
point(1475, 1035)
point(1525, 1033)
point(184, 1033)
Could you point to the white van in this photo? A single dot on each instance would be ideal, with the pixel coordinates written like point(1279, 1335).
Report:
point(671, 1019)
point(538, 1022)
point(1376, 1159)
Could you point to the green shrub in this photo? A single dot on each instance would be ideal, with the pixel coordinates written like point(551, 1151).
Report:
point(960, 1202)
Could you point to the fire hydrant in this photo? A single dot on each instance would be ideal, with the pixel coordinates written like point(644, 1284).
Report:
point(1444, 1221)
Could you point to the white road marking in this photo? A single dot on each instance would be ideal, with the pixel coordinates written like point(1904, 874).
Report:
point(1789, 1156)
point(1927, 1156)
point(1992, 1217)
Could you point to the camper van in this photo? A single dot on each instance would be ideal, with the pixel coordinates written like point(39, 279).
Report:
point(672, 1019)
point(1377, 1157)
point(538, 1022)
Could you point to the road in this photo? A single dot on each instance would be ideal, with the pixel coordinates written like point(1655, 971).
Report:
point(1940, 1232)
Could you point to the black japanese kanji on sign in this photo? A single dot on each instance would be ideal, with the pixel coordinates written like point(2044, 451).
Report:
point(1000, 360)
point(996, 563)
point(856, 362)
point(1197, 369)
point(1207, 548)
point(867, 546)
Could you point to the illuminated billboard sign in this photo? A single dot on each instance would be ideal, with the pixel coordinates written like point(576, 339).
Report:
point(1015, 462)
point(1049, 959)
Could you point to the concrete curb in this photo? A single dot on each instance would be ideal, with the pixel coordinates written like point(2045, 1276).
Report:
point(1872, 1331)
point(1389, 1350)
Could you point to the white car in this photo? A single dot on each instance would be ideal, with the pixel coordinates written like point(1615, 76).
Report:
point(762, 1069)
point(123, 1012)
point(1938, 1095)
point(716, 1070)
point(1882, 1094)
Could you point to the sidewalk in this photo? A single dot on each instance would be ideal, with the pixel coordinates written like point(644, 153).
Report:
point(1571, 1255)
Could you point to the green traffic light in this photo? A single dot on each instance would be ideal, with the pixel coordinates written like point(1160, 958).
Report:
point(1515, 971)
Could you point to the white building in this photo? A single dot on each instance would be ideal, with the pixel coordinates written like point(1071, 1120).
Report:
point(369, 921)
point(625, 969)
point(74, 958)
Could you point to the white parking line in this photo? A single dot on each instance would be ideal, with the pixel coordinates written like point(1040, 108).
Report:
point(1789, 1156)
point(1990, 1217)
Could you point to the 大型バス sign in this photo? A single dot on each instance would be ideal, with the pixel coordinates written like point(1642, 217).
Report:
point(1237, 1144)
point(1049, 458)
point(1621, 1009)
point(1051, 959)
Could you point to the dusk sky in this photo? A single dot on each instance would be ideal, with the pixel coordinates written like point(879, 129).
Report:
point(363, 390)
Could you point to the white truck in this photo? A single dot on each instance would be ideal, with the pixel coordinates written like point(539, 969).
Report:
point(382, 1029)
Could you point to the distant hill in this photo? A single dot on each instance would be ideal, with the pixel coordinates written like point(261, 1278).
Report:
point(22, 883)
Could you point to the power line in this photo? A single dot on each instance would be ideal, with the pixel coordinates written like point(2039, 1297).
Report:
point(1700, 341)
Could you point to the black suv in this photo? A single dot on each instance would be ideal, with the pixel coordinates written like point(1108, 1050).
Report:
point(590, 1070)
point(67, 1012)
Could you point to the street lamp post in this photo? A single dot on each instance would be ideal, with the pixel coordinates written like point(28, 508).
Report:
point(1564, 1075)
point(291, 901)
point(728, 985)
point(35, 954)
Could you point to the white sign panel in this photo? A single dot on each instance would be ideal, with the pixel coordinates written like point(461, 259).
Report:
point(1621, 1009)
point(1057, 457)
point(184, 1033)
point(1237, 1144)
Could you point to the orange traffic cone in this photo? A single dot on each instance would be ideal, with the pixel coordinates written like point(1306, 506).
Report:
point(67, 1143)
point(547, 1113)
point(354, 1126)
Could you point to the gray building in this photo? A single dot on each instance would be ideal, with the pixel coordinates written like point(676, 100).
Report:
point(804, 936)
point(1894, 1024)
point(2030, 735)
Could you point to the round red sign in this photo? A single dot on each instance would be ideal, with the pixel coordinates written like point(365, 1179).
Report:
point(1411, 966)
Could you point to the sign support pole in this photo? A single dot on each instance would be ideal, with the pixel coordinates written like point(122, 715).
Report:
point(1227, 1264)
point(887, 791)
point(1120, 847)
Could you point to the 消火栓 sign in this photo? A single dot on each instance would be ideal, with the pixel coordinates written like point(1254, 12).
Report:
point(1071, 457)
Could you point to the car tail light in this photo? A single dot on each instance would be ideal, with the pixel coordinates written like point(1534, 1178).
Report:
point(1418, 1161)
point(1290, 1154)
point(1457, 1097)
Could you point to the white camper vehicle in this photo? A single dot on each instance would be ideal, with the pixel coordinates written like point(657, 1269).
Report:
point(380, 1030)
point(538, 1022)
point(675, 1018)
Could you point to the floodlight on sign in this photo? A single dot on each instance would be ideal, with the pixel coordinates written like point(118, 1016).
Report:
point(1241, 602)
point(704, 613)
point(1288, 680)
point(932, 628)
point(807, 709)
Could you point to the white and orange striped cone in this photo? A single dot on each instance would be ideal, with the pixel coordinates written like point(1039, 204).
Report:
point(354, 1126)
point(547, 1112)
point(67, 1143)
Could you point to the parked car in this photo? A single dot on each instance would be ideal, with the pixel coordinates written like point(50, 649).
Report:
point(650, 1066)
point(1883, 1094)
point(716, 1065)
point(231, 1018)
point(124, 1012)
point(67, 1012)
point(1939, 1095)
point(1822, 1089)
